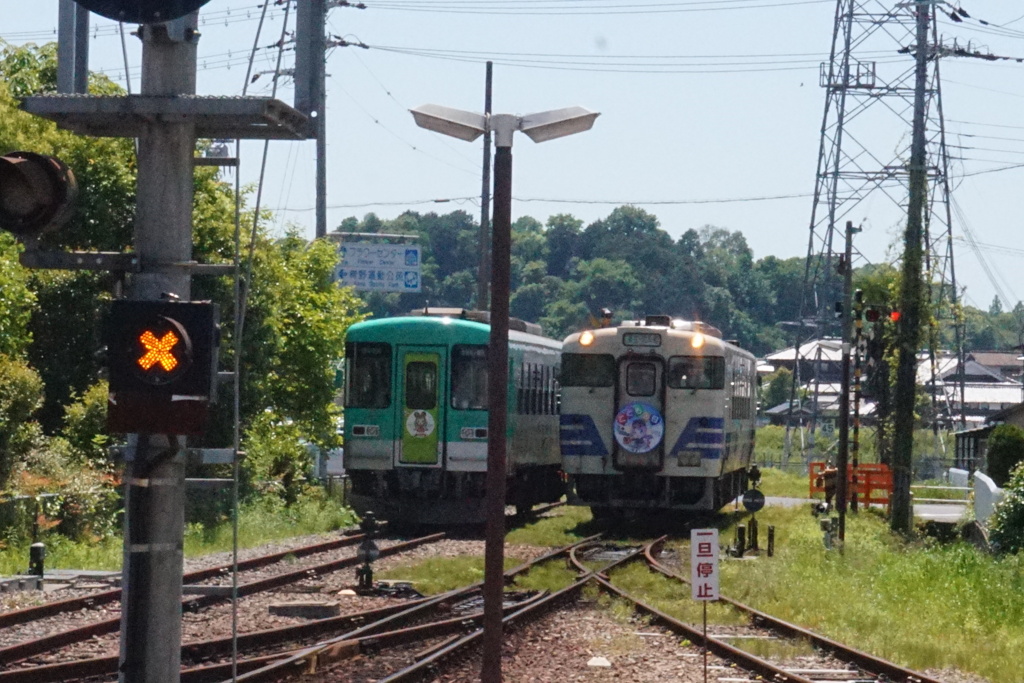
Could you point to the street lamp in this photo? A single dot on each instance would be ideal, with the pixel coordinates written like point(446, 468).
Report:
point(539, 127)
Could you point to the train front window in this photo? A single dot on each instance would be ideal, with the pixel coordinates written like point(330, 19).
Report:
point(696, 372)
point(367, 375)
point(640, 379)
point(469, 377)
point(421, 385)
point(587, 370)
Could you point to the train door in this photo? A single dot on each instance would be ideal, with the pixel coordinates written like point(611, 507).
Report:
point(639, 427)
point(419, 404)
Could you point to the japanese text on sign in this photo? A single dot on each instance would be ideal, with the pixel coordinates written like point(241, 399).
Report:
point(704, 564)
point(379, 267)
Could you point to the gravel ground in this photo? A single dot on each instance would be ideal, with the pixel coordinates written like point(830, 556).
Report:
point(253, 613)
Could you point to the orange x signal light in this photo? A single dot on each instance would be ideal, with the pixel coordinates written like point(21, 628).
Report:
point(158, 351)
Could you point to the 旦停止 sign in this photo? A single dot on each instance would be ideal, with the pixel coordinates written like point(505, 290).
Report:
point(379, 267)
point(704, 564)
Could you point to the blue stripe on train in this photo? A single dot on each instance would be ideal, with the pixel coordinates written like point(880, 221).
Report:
point(579, 436)
point(704, 434)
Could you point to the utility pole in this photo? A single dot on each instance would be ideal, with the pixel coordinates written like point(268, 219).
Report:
point(908, 332)
point(311, 91)
point(842, 457)
point(155, 471)
point(483, 272)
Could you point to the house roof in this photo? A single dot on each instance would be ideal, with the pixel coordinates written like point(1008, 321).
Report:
point(980, 392)
point(997, 359)
point(830, 350)
point(1005, 414)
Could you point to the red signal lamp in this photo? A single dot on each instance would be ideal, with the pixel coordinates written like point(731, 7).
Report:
point(894, 316)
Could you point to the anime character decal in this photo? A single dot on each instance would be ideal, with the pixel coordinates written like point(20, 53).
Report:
point(420, 423)
point(639, 427)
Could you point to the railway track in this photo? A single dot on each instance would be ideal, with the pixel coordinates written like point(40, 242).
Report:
point(61, 639)
point(867, 666)
point(368, 631)
point(99, 598)
point(426, 638)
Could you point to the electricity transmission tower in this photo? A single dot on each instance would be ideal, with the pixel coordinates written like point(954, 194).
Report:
point(864, 155)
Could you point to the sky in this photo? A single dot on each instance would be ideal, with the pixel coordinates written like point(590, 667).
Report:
point(710, 114)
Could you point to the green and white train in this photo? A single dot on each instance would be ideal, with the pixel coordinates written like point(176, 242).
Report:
point(656, 414)
point(416, 416)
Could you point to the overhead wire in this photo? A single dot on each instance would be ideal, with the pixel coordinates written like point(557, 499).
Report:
point(241, 294)
point(517, 9)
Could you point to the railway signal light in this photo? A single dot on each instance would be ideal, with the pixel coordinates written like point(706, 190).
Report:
point(37, 193)
point(162, 363)
point(142, 11)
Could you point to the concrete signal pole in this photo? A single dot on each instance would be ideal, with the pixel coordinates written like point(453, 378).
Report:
point(155, 471)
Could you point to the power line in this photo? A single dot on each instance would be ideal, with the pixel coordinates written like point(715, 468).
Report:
point(517, 8)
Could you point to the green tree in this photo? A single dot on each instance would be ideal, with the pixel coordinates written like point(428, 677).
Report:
point(16, 300)
point(606, 283)
point(20, 397)
point(1005, 451)
point(1006, 526)
point(777, 389)
point(563, 239)
point(296, 330)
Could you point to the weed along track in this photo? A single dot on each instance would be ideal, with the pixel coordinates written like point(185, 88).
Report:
point(92, 635)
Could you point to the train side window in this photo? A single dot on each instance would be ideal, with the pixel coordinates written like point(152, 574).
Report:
point(367, 375)
point(421, 385)
point(640, 379)
point(469, 377)
point(587, 370)
point(695, 372)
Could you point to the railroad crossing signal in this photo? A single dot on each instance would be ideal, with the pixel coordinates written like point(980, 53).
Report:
point(142, 11)
point(162, 361)
point(37, 193)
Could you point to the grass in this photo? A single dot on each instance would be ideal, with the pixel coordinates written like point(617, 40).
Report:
point(779, 483)
point(258, 523)
point(921, 604)
point(569, 526)
point(437, 575)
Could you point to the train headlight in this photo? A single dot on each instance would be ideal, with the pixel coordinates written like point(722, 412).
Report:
point(689, 458)
point(587, 338)
point(697, 340)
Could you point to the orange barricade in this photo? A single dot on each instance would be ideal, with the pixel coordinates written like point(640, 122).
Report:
point(874, 482)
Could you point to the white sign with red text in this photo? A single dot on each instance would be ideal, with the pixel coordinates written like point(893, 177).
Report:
point(704, 564)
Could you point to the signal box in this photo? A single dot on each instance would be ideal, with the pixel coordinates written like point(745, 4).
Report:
point(162, 359)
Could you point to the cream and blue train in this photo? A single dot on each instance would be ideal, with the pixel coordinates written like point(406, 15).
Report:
point(656, 414)
point(416, 416)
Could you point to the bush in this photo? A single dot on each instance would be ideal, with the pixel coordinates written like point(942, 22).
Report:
point(85, 427)
point(21, 395)
point(276, 459)
point(1006, 526)
point(1005, 450)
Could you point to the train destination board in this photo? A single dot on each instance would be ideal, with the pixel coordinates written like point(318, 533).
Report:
point(379, 267)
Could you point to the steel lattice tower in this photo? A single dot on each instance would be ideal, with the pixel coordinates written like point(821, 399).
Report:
point(864, 153)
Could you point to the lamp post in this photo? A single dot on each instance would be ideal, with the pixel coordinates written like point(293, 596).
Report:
point(468, 126)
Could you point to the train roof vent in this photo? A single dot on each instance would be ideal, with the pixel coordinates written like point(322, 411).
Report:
point(658, 321)
point(477, 316)
point(696, 326)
